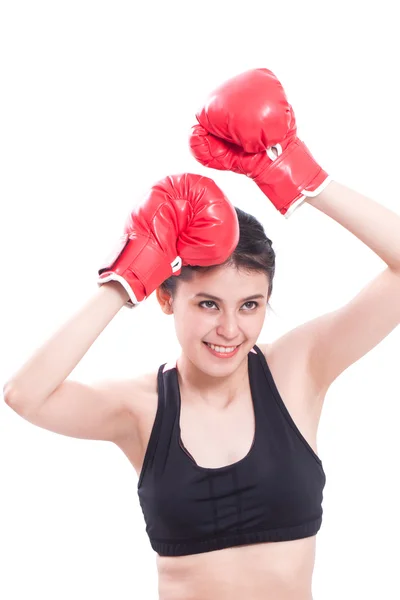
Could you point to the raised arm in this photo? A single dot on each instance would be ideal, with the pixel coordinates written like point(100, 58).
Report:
point(41, 393)
point(184, 218)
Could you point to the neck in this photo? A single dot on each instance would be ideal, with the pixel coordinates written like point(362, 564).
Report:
point(203, 389)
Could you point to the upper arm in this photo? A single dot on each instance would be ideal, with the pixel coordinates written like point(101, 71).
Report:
point(338, 339)
point(102, 411)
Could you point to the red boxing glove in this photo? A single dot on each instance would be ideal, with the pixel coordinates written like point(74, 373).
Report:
point(248, 126)
point(183, 220)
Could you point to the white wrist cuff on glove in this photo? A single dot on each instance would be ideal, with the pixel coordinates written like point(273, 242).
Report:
point(114, 277)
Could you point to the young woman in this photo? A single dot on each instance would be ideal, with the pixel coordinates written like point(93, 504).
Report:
point(223, 440)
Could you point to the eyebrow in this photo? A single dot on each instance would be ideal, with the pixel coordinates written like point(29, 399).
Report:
point(204, 295)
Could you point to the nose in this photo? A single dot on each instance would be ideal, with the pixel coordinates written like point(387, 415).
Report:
point(228, 327)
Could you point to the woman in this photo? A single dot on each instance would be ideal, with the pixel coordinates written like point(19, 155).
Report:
point(223, 440)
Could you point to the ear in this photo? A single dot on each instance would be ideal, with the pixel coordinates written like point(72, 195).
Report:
point(165, 301)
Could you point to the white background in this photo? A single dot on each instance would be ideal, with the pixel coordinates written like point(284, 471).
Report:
point(97, 101)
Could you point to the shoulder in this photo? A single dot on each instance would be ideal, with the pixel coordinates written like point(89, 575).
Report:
point(291, 354)
point(133, 394)
point(271, 351)
point(137, 397)
point(139, 390)
point(292, 348)
point(263, 348)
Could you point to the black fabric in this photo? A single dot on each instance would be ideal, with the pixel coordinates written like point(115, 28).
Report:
point(274, 493)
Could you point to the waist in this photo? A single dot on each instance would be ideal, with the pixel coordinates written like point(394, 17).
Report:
point(267, 571)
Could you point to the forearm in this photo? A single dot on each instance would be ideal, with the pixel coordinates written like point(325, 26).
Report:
point(51, 364)
point(375, 225)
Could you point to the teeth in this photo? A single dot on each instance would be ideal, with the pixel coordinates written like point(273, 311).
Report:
point(221, 349)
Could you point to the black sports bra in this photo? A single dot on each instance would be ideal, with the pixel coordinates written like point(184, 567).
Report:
point(273, 494)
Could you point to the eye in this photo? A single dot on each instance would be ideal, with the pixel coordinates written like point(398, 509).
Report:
point(208, 302)
point(252, 302)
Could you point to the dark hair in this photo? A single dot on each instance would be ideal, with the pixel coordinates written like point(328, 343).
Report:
point(253, 253)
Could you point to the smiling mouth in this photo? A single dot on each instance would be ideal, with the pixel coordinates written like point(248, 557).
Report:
point(220, 346)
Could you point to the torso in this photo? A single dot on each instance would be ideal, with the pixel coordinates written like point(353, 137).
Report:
point(268, 571)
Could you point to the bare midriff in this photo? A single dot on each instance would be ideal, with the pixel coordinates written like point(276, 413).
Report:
point(268, 571)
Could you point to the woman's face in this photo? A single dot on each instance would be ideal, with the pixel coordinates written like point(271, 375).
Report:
point(225, 307)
